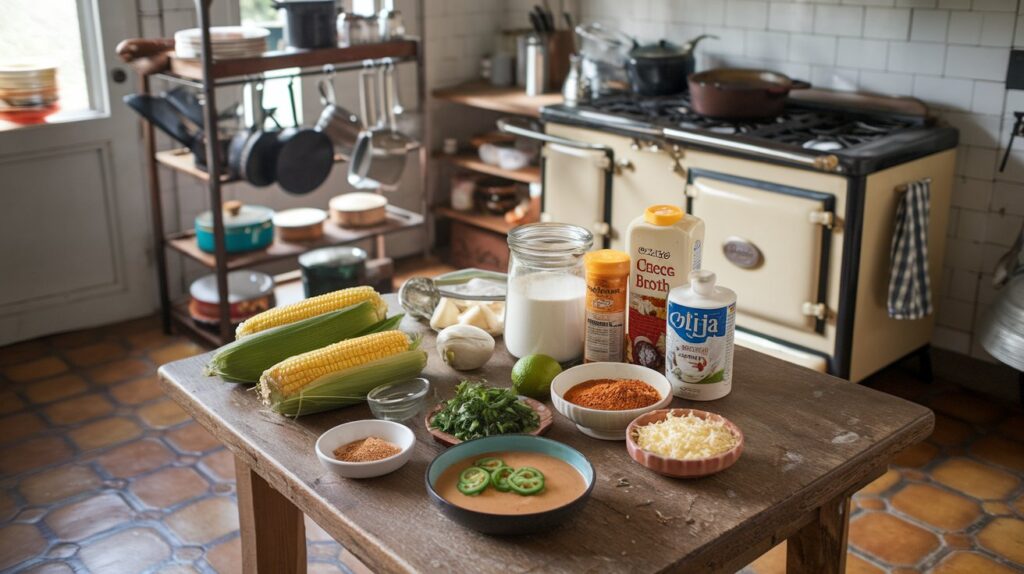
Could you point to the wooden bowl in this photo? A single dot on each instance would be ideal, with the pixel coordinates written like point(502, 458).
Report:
point(679, 468)
point(300, 224)
point(358, 209)
point(544, 413)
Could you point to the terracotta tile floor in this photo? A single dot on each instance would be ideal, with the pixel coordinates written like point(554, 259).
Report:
point(100, 473)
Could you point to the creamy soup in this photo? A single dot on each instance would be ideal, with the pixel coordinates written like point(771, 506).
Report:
point(562, 484)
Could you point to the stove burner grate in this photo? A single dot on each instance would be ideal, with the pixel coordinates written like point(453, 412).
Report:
point(802, 127)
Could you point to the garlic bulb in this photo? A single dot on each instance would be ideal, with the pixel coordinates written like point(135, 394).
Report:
point(464, 347)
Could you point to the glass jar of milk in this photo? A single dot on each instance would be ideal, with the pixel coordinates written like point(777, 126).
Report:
point(545, 306)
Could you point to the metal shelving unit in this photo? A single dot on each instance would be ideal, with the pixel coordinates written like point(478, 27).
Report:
point(207, 75)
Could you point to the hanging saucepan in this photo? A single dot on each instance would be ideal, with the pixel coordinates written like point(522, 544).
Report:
point(661, 69)
point(305, 156)
point(379, 157)
point(249, 156)
point(246, 228)
point(341, 125)
point(739, 94)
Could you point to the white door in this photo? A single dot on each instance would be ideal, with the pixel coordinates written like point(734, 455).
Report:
point(74, 224)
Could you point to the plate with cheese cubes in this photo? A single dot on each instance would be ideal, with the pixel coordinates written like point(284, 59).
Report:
point(684, 443)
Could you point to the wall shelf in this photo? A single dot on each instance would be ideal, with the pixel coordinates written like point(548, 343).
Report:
point(294, 58)
point(495, 223)
point(511, 100)
point(529, 174)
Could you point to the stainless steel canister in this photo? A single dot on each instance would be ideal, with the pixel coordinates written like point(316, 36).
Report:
point(536, 66)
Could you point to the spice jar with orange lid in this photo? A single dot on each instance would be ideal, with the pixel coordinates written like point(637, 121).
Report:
point(607, 275)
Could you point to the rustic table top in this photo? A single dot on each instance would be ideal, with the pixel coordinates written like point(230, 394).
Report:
point(809, 439)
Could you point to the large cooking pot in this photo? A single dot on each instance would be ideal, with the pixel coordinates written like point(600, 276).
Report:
point(661, 69)
point(246, 228)
point(737, 94)
point(310, 24)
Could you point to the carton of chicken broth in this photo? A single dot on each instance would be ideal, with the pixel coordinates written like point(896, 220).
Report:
point(664, 245)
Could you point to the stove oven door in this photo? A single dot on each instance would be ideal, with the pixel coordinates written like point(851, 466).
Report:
point(576, 188)
point(577, 179)
point(769, 243)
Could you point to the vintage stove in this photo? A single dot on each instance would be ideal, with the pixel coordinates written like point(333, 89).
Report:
point(799, 209)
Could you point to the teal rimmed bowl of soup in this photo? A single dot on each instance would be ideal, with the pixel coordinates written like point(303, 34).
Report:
point(532, 483)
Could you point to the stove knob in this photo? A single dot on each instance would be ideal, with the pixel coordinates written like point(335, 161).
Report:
point(826, 162)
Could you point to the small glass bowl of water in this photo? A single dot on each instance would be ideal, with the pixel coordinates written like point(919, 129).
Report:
point(399, 401)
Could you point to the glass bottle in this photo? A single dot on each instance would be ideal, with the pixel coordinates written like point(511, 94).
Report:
point(545, 305)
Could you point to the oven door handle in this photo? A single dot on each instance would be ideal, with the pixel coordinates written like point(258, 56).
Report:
point(827, 162)
point(599, 158)
point(515, 126)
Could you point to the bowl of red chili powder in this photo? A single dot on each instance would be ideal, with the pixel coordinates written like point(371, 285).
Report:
point(603, 398)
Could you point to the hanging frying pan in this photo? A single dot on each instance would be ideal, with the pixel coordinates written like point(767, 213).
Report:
point(257, 157)
point(305, 156)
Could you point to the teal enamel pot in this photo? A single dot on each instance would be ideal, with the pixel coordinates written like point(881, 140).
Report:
point(246, 228)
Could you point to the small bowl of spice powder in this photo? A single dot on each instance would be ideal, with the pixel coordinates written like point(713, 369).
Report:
point(603, 398)
point(366, 448)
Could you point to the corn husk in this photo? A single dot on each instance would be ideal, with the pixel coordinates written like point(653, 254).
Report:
point(244, 360)
point(344, 388)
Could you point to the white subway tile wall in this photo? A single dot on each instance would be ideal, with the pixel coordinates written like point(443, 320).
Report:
point(952, 54)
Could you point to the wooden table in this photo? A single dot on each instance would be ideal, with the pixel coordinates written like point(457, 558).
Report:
point(811, 441)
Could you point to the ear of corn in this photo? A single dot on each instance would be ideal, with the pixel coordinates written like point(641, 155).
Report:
point(245, 360)
point(340, 374)
point(311, 308)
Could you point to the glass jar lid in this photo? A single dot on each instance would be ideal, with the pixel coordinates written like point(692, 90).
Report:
point(549, 244)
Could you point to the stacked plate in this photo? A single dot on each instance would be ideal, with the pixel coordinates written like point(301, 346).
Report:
point(27, 86)
point(228, 42)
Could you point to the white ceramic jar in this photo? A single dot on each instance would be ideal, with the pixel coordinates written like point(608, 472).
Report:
point(699, 347)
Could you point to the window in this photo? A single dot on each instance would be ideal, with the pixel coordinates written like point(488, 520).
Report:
point(62, 33)
point(275, 89)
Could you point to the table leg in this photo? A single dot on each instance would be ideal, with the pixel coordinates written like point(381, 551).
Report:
point(820, 546)
point(273, 532)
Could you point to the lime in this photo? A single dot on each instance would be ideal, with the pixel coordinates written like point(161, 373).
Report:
point(532, 375)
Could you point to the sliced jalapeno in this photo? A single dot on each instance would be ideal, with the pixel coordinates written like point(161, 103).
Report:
point(471, 489)
point(490, 463)
point(473, 480)
point(499, 478)
point(526, 481)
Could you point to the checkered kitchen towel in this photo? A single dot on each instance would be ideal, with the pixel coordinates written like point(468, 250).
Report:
point(910, 295)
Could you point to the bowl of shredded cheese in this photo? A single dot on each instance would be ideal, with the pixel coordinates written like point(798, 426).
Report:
point(684, 443)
